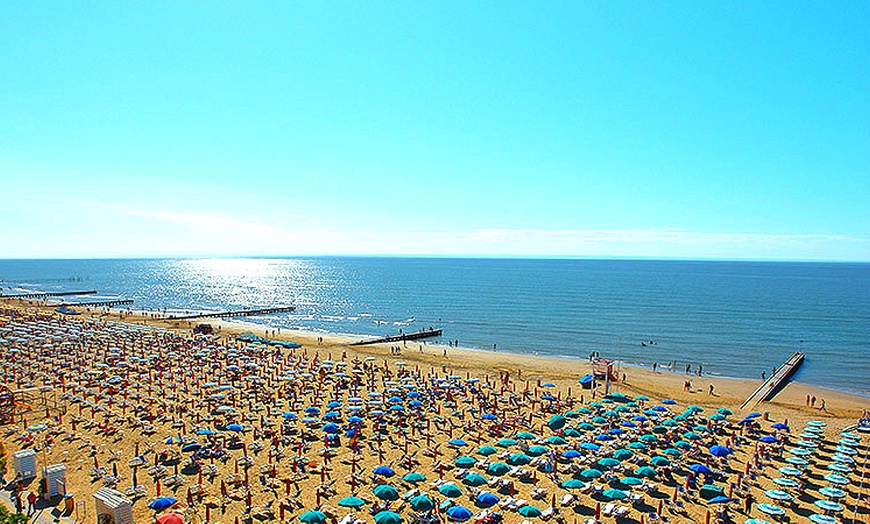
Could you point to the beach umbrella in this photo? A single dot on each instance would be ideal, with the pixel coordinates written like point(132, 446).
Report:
point(589, 446)
point(351, 502)
point(488, 416)
point(700, 469)
point(506, 442)
point(205, 432)
point(720, 500)
point(780, 425)
point(519, 459)
point(422, 503)
point(414, 477)
point(170, 518)
point(585, 426)
point(536, 451)
point(682, 444)
point(673, 452)
point(818, 518)
point(608, 462)
point(756, 521)
point(556, 422)
point(631, 481)
point(162, 503)
point(388, 517)
point(384, 471)
point(628, 424)
point(604, 437)
point(474, 479)
point(828, 505)
point(458, 513)
point(573, 484)
point(458, 442)
point(648, 438)
point(778, 494)
point(835, 466)
point(236, 428)
point(614, 494)
point(498, 469)
point(720, 451)
point(832, 493)
point(487, 450)
point(529, 512)
point(525, 435)
point(332, 427)
point(386, 492)
point(790, 471)
point(465, 462)
point(691, 435)
point(599, 421)
point(645, 471)
point(572, 454)
point(796, 461)
point(591, 473)
point(450, 490)
point(659, 461)
point(486, 499)
point(636, 445)
point(623, 454)
point(190, 448)
point(839, 480)
point(770, 509)
point(768, 439)
point(786, 482)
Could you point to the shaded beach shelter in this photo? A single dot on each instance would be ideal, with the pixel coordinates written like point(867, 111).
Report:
point(631, 481)
point(573, 484)
point(525, 435)
point(768, 439)
point(779, 495)
point(636, 445)
point(536, 451)
point(608, 462)
point(474, 479)
point(386, 492)
point(833, 478)
point(557, 422)
point(659, 461)
point(614, 494)
point(519, 459)
point(170, 518)
point(332, 427)
point(770, 509)
point(236, 428)
point(486, 499)
point(645, 471)
point(458, 442)
point(384, 471)
point(781, 426)
point(720, 451)
point(571, 454)
point(786, 483)
point(700, 469)
point(422, 503)
point(388, 517)
point(589, 446)
point(351, 502)
point(832, 493)
point(465, 462)
point(487, 450)
point(529, 512)
point(498, 469)
point(829, 505)
point(450, 490)
point(162, 503)
point(414, 477)
point(507, 442)
point(458, 513)
point(622, 454)
point(591, 473)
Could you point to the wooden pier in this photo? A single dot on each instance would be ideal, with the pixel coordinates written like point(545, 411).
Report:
point(99, 303)
point(426, 333)
point(237, 313)
point(776, 381)
point(49, 294)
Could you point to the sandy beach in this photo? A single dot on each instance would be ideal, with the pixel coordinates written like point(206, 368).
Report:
point(279, 465)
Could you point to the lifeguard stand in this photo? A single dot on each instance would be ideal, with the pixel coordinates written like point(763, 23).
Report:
point(606, 371)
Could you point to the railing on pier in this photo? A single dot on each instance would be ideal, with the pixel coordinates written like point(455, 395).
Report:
point(47, 294)
point(237, 313)
point(776, 381)
point(426, 333)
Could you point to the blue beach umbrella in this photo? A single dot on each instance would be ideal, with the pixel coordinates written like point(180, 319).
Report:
point(458, 513)
point(162, 503)
point(486, 499)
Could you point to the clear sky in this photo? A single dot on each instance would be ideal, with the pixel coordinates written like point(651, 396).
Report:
point(625, 129)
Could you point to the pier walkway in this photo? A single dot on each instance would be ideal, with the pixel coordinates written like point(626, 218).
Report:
point(100, 303)
point(237, 313)
point(47, 294)
point(776, 381)
point(426, 333)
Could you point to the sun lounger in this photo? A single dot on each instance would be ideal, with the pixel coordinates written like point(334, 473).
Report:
point(505, 502)
point(621, 511)
point(566, 499)
point(548, 513)
point(608, 509)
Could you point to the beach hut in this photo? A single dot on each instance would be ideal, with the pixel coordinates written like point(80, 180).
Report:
point(24, 462)
point(112, 507)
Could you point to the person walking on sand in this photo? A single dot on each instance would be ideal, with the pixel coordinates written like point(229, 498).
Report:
point(822, 406)
point(711, 389)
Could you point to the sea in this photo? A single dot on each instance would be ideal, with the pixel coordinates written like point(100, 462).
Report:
point(734, 318)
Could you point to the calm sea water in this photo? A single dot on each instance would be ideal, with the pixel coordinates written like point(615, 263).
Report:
point(735, 318)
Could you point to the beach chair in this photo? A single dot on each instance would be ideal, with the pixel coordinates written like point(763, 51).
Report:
point(608, 509)
point(505, 502)
point(621, 511)
point(566, 499)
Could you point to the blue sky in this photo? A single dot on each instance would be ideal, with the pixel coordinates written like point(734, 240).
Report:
point(626, 129)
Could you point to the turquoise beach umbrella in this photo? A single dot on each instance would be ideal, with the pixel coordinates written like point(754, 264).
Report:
point(591, 473)
point(351, 502)
point(645, 471)
point(450, 490)
point(615, 494)
point(498, 469)
point(388, 517)
point(487, 450)
point(313, 517)
point(465, 462)
point(536, 451)
point(556, 422)
point(623, 454)
point(422, 503)
point(414, 477)
point(529, 511)
point(386, 492)
point(474, 479)
point(573, 484)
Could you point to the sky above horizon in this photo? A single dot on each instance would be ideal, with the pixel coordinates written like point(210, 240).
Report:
point(733, 130)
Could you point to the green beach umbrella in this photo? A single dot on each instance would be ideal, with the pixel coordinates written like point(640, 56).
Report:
point(536, 451)
point(422, 503)
point(388, 517)
point(351, 502)
point(631, 481)
point(573, 484)
point(474, 479)
point(386, 492)
point(556, 422)
point(614, 494)
point(591, 473)
point(529, 512)
point(487, 450)
point(498, 469)
point(313, 517)
point(414, 477)
point(465, 462)
point(519, 459)
point(450, 490)
point(623, 454)
point(645, 471)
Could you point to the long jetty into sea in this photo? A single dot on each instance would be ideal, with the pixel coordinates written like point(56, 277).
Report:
point(776, 381)
point(426, 333)
point(100, 303)
point(237, 313)
point(45, 294)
